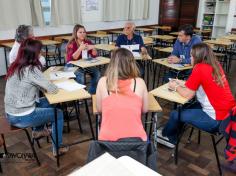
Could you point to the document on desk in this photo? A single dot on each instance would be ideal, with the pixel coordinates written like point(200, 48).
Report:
point(107, 165)
point(177, 65)
point(59, 75)
point(136, 54)
point(69, 86)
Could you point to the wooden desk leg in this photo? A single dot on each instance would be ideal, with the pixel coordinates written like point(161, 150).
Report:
point(89, 118)
point(56, 129)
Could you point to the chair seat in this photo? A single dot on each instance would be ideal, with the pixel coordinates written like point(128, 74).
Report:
point(5, 127)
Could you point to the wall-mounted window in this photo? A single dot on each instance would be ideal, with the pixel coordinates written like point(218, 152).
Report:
point(46, 7)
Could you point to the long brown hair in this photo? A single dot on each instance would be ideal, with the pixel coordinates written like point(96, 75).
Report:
point(122, 66)
point(202, 53)
point(74, 34)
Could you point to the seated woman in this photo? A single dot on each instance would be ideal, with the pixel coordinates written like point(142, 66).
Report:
point(22, 106)
point(77, 46)
point(208, 82)
point(22, 32)
point(122, 97)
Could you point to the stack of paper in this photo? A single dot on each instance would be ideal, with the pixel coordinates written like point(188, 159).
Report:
point(70, 86)
point(59, 75)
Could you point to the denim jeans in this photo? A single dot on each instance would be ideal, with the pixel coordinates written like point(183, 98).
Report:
point(43, 113)
point(194, 116)
point(93, 72)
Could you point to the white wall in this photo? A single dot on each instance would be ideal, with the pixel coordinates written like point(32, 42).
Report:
point(200, 13)
point(92, 20)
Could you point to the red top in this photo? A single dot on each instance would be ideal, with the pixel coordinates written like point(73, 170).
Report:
point(216, 100)
point(72, 47)
point(121, 115)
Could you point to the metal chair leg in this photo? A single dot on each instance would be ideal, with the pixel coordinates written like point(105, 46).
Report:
point(32, 146)
point(216, 154)
point(78, 118)
point(4, 144)
point(89, 118)
point(199, 137)
point(190, 135)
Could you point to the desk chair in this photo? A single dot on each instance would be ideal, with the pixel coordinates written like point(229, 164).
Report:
point(214, 143)
point(5, 127)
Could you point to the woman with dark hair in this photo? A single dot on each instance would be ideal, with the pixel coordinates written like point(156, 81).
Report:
point(78, 46)
point(122, 97)
point(208, 82)
point(22, 106)
point(22, 32)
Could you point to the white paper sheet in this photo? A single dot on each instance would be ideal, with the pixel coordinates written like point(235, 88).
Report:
point(59, 75)
point(70, 86)
point(136, 54)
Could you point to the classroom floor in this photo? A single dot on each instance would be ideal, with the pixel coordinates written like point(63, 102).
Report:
point(194, 159)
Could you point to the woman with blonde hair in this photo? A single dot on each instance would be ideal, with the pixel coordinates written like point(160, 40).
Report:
point(122, 97)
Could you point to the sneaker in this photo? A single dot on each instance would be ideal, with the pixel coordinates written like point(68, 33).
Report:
point(43, 133)
point(62, 151)
point(163, 140)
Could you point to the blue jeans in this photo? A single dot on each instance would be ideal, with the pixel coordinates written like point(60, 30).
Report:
point(194, 116)
point(93, 72)
point(43, 114)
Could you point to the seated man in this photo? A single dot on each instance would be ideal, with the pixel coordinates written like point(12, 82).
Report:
point(130, 38)
point(181, 50)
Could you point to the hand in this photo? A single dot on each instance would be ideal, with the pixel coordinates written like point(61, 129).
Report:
point(144, 51)
point(83, 46)
point(172, 84)
point(173, 60)
point(180, 82)
point(90, 47)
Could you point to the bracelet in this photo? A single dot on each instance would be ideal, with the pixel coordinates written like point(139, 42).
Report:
point(176, 87)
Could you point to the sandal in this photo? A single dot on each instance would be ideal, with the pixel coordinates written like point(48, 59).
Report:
point(62, 151)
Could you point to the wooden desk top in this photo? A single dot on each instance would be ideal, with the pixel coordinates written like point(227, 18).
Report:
point(153, 105)
point(98, 35)
point(174, 33)
point(165, 50)
point(219, 42)
point(202, 31)
point(144, 29)
point(105, 47)
point(56, 69)
point(116, 32)
point(231, 37)
point(161, 27)
point(85, 64)
point(61, 38)
point(164, 62)
point(164, 93)
point(50, 42)
point(163, 37)
point(44, 42)
point(7, 44)
point(65, 96)
point(148, 41)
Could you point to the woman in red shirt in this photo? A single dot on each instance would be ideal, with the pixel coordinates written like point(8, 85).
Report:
point(79, 46)
point(208, 82)
point(122, 97)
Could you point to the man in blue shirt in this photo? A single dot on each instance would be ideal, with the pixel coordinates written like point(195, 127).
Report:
point(130, 38)
point(181, 53)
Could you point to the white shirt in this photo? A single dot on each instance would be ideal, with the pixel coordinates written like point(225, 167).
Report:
point(205, 103)
point(14, 51)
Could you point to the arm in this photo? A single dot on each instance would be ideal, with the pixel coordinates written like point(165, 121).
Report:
point(38, 79)
point(174, 57)
point(181, 89)
point(99, 94)
point(144, 96)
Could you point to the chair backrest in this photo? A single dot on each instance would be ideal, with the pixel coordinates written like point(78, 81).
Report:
point(135, 148)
